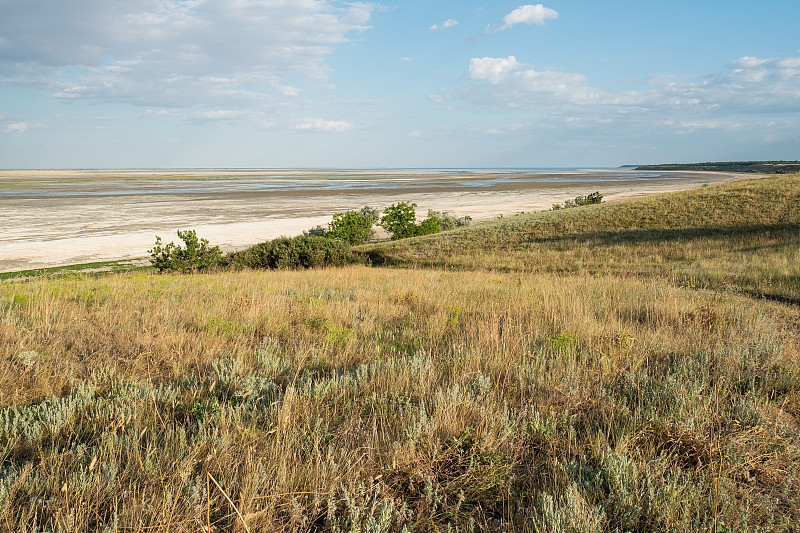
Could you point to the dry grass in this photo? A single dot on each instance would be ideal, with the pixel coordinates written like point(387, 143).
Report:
point(364, 399)
point(743, 235)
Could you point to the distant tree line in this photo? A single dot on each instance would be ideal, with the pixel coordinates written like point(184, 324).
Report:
point(755, 167)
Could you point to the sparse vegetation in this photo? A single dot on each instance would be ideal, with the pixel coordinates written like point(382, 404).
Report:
point(448, 221)
point(610, 368)
point(594, 198)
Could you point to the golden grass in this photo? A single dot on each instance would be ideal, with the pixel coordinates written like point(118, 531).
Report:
point(742, 235)
point(629, 378)
point(336, 399)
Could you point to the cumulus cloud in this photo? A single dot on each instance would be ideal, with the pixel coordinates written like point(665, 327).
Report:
point(493, 69)
point(449, 23)
point(529, 14)
point(317, 124)
point(518, 83)
point(170, 53)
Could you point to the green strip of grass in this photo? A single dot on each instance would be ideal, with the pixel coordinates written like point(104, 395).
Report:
point(99, 267)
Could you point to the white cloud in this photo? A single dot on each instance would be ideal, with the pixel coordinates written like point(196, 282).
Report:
point(710, 125)
point(317, 124)
point(415, 134)
point(20, 127)
point(529, 14)
point(219, 114)
point(449, 23)
point(517, 84)
point(493, 69)
point(173, 53)
point(160, 113)
point(288, 90)
point(750, 85)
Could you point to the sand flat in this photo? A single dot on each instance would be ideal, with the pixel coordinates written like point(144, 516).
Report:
point(59, 217)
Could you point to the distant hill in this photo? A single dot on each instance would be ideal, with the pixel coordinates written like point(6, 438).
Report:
point(756, 167)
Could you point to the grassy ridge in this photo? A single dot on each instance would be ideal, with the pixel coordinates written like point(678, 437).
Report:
point(743, 235)
point(536, 395)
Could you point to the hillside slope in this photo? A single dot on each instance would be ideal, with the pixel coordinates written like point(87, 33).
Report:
point(744, 234)
point(571, 375)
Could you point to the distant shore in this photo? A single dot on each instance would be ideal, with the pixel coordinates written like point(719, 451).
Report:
point(56, 217)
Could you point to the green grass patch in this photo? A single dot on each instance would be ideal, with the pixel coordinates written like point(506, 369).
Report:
point(98, 268)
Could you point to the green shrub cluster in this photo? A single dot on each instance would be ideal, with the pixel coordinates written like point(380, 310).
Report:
point(304, 251)
point(351, 227)
point(317, 247)
point(400, 220)
point(594, 198)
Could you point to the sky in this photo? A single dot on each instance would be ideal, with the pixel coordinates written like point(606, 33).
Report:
point(403, 84)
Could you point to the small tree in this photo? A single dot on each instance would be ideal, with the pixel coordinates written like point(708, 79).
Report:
point(400, 220)
point(352, 227)
point(429, 226)
point(197, 255)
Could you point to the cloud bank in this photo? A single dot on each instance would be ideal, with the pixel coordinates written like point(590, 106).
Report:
point(172, 53)
point(749, 85)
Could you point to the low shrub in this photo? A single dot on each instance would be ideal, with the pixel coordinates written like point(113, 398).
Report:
point(594, 198)
point(304, 251)
point(197, 254)
point(449, 221)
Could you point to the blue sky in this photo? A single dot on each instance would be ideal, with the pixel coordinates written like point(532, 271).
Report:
point(311, 83)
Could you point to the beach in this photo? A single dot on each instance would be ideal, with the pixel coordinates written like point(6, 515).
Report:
point(60, 217)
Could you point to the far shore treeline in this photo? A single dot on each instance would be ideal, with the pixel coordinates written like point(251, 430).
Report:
point(755, 167)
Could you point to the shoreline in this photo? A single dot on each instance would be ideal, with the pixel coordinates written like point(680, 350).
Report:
point(53, 231)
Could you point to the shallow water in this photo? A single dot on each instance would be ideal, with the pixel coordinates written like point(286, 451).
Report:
point(67, 217)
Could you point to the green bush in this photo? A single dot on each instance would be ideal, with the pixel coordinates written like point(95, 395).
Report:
point(429, 226)
point(352, 227)
point(594, 198)
point(197, 254)
point(400, 220)
point(304, 251)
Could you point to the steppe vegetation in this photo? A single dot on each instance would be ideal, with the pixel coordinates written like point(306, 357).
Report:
point(630, 366)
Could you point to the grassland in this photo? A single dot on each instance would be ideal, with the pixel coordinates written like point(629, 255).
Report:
point(632, 366)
